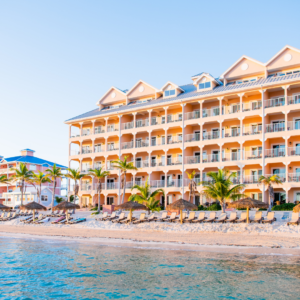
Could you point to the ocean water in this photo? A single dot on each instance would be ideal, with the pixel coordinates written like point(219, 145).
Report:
point(41, 269)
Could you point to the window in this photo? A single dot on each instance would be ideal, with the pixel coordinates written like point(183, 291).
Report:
point(44, 198)
point(32, 167)
point(169, 93)
point(257, 196)
point(204, 85)
point(245, 81)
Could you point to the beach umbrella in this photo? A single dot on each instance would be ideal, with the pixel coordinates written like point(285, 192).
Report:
point(295, 209)
point(65, 205)
point(4, 207)
point(181, 204)
point(33, 206)
point(248, 203)
point(130, 205)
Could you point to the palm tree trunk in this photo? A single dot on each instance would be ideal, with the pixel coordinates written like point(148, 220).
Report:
point(99, 194)
point(53, 196)
point(75, 189)
point(22, 191)
point(223, 206)
point(40, 193)
point(124, 185)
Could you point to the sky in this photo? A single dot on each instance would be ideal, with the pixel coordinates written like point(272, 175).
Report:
point(57, 58)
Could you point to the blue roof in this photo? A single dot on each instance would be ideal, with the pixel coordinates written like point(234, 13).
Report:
point(32, 160)
point(28, 150)
point(190, 91)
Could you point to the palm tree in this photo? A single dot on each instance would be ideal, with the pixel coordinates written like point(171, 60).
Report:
point(54, 173)
point(99, 174)
point(123, 166)
point(4, 179)
point(38, 179)
point(146, 197)
point(192, 184)
point(269, 181)
point(75, 175)
point(23, 175)
point(221, 187)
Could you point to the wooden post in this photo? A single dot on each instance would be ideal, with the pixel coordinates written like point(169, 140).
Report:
point(247, 215)
point(180, 216)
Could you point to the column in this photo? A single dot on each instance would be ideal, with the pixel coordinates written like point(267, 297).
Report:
point(149, 177)
point(81, 123)
point(183, 148)
point(134, 163)
point(93, 126)
point(241, 126)
point(220, 105)
point(221, 121)
point(149, 137)
point(134, 140)
point(241, 173)
point(70, 127)
point(106, 123)
point(241, 150)
point(149, 111)
point(241, 101)
point(134, 120)
point(286, 146)
point(93, 145)
point(201, 154)
point(166, 175)
point(133, 178)
point(201, 130)
point(286, 120)
point(285, 95)
point(221, 154)
point(201, 104)
point(166, 114)
point(286, 171)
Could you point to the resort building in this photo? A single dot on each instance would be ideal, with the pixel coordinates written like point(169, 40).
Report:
point(10, 194)
point(246, 121)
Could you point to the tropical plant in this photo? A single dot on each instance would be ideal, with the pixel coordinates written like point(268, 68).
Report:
point(59, 199)
point(74, 175)
point(4, 179)
point(221, 187)
point(192, 184)
point(123, 166)
point(54, 173)
point(39, 179)
point(146, 197)
point(268, 182)
point(22, 175)
point(71, 198)
point(99, 174)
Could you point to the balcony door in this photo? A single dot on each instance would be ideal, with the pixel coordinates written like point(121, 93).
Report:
point(197, 135)
point(110, 127)
point(215, 155)
point(179, 180)
point(110, 183)
point(256, 151)
point(153, 161)
point(138, 162)
point(297, 124)
point(109, 200)
point(235, 131)
point(197, 157)
point(278, 150)
point(170, 181)
point(256, 128)
point(138, 180)
point(235, 154)
point(278, 125)
point(215, 133)
point(153, 141)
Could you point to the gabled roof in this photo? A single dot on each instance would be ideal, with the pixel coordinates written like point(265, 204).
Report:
point(239, 60)
point(141, 81)
point(28, 150)
point(31, 160)
point(176, 86)
point(111, 88)
point(209, 75)
point(278, 53)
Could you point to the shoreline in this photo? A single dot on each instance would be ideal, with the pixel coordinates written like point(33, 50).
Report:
point(202, 242)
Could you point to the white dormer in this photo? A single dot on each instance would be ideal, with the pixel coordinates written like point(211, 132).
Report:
point(170, 90)
point(113, 97)
point(204, 82)
point(142, 90)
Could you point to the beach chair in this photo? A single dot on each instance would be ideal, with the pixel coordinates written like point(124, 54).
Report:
point(6, 217)
point(164, 217)
point(192, 216)
point(14, 216)
point(58, 220)
point(121, 218)
point(270, 218)
point(127, 220)
point(172, 217)
point(45, 220)
point(2, 216)
point(232, 218)
point(243, 218)
point(141, 219)
point(103, 217)
point(222, 218)
point(23, 213)
point(26, 219)
point(212, 217)
point(151, 218)
point(111, 217)
point(184, 216)
point(200, 219)
point(53, 214)
point(78, 220)
point(295, 220)
point(17, 211)
point(40, 217)
point(257, 217)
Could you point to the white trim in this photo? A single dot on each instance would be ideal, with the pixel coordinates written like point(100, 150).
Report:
point(141, 81)
point(205, 75)
point(278, 53)
point(171, 83)
point(111, 88)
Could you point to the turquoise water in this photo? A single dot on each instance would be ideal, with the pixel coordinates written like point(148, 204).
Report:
point(36, 269)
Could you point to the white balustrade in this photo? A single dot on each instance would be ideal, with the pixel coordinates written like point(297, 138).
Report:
point(142, 123)
point(128, 125)
point(275, 127)
point(275, 152)
point(208, 158)
point(127, 145)
point(192, 115)
point(293, 125)
point(211, 135)
point(210, 112)
point(252, 130)
point(193, 137)
point(192, 160)
point(274, 102)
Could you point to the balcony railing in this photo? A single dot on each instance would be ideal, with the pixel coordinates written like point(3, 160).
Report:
point(231, 157)
point(75, 152)
point(252, 130)
point(210, 112)
point(211, 158)
point(279, 101)
point(248, 106)
point(192, 160)
point(112, 147)
point(282, 176)
point(174, 161)
point(112, 129)
point(127, 145)
point(97, 166)
point(142, 123)
point(295, 125)
point(173, 118)
point(192, 115)
point(98, 149)
point(86, 187)
point(174, 183)
point(211, 135)
point(294, 151)
point(155, 184)
point(250, 179)
point(293, 99)
point(274, 153)
point(231, 109)
point(192, 137)
point(141, 143)
point(157, 163)
point(86, 150)
point(295, 177)
point(99, 130)
point(174, 140)
point(73, 135)
point(277, 127)
point(128, 125)
point(85, 132)
point(158, 142)
point(252, 155)
point(231, 133)
point(86, 169)
point(142, 163)
point(112, 185)
point(110, 167)
point(187, 181)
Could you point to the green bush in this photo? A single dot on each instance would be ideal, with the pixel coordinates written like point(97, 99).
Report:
point(201, 207)
point(95, 213)
point(263, 209)
point(285, 206)
point(215, 206)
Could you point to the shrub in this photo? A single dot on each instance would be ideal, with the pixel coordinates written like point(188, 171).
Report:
point(285, 206)
point(262, 209)
point(95, 213)
point(215, 206)
point(201, 207)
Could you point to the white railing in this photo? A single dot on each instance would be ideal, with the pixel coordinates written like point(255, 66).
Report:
point(211, 135)
point(211, 112)
point(294, 125)
point(142, 123)
point(294, 99)
point(157, 163)
point(252, 154)
point(86, 132)
point(99, 130)
point(293, 151)
point(142, 163)
point(73, 135)
point(294, 177)
point(4, 171)
point(141, 143)
point(211, 158)
point(192, 160)
point(86, 169)
point(171, 161)
point(192, 137)
point(86, 187)
point(279, 101)
point(231, 133)
point(174, 183)
point(97, 166)
point(112, 147)
point(156, 184)
point(192, 115)
point(155, 121)
point(86, 150)
point(75, 152)
point(128, 125)
point(281, 177)
point(277, 127)
point(95, 186)
point(110, 167)
point(274, 153)
point(112, 185)
point(127, 145)
point(255, 105)
point(112, 128)
point(250, 179)
point(158, 142)
point(252, 130)
point(187, 181)
point(174, 140)
point(140, 183)
point(231, 109)
point(98, 149)
point(173, 118)
point(231, 156)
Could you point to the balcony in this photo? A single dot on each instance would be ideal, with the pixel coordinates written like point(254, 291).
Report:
point(174, 140)
point(249, 106)
point(141, 143)
point(172, 161)
point(156, 141)
point(157, 163)
point(294, 177)
point(86, 150)
point(252, 130)
point(73, 135)
point(210, 112)
point(156, 184)
point(142, 123)
point(274, 153)
point(112, 129)
point(127, 145)
point(99, 130)
point(194, 137)
point(174, 118)
point(86, 187)
point(251, 179)
point(275, 102)
point(211, 135)
point(231, 109)
point(275, 127)
point(211, 158)
point(250, 155)
point(142, 163)
point(295, 125)
point(128, 125)
point(294, 151)
point(192, 115)
point(98, 166)
point(98, 149)
point(75, 152)
point(231, 133)
point(294, 100)
point(234, 156)
point(110, 167)
point(192, 160)
point(112, 185)
point(281, 176)
point(174, 183)
point(112, 147)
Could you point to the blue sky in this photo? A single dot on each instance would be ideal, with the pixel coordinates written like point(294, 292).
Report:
point(57, 58)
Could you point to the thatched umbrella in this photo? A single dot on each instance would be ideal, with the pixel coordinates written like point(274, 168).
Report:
point(65, 205)
point(130, 205)
point(181, 204)
point(296, 208)
point(33, 206)
point(248, 203)
point(4, 207)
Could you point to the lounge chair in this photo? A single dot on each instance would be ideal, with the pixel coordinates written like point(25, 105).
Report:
point(44, 220)
point(112, 217)
point(39, 218)
point(212, 217)
point(53, 214)
point(6, 217)
point(103, 217)
point(17, 211)
point(14, 216)
point(184, 216)
point(190, 218)
point(151, 218)
point(200, 219)
point(295, 220)
point(2, 216)
point(172, 217)
point(26, 219)
point(121, 218)
point(257, 217)
point(141, 219)
point(222, 218)
point(127, 220)
point(78, 220)
point(58, 220)
point(270, 218)
point(164, 217)
point(232, 218)
point(243, 218)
